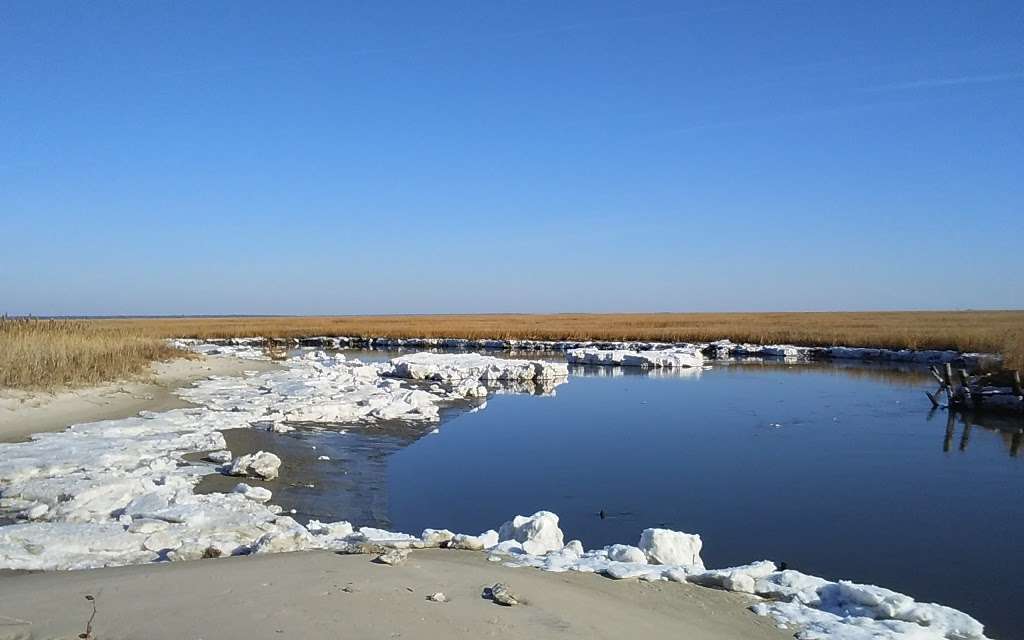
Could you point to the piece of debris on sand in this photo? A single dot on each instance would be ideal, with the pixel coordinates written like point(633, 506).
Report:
point(501, 594)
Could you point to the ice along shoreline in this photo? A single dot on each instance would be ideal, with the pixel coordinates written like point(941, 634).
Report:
point(120, 492)
point(719, 349)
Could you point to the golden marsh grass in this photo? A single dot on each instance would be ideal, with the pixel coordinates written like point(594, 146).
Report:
point(50, 354)
point(995, 331)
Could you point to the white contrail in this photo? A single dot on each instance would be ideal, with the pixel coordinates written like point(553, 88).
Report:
point(948, 82)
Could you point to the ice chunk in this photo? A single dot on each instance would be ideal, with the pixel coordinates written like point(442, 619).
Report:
point(467, 542)
point(262, 464)
point(672, 357)
point(147, 525)
point(384, 538)
point(626, 553)
point(458, 367)
point(69, 545)
point(485, 540)
point(740, 579)
point(286, 535)
point(34, 512)
point(162, 541)
point(625, 570)
point(854, 611)
point(220, 457)
point(664, 546)
point(790, 585)
point(436, 537)
point(340, 529)
point(848, 598)
point(489, 538)
point(538, 533)
point(258, 494)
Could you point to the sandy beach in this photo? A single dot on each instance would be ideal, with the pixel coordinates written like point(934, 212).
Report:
point(326, 595)
point(23, 413)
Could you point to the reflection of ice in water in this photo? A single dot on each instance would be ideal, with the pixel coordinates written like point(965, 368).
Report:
point(544, 387)
point(597, 371)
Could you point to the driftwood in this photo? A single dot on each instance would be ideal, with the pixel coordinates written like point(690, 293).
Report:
point(1000, 391)
point(276, 349)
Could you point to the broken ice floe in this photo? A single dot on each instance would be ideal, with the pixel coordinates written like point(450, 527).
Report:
point(259, 494)
point(129, 476)
point(244, 348)
point(260, 464)
point(848, 611)
point(446, 367)
point(250, 347)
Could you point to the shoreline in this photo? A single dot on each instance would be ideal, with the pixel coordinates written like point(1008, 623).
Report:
point(24, 413)
point(718, 349)
point(319, 594)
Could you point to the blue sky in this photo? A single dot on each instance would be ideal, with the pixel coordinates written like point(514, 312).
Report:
point(216, 157)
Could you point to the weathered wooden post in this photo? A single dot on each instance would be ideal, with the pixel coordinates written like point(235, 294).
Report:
point(965, 389)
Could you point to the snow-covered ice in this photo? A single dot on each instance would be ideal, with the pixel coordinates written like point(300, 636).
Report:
point(664, 546)
point(259, 494)
point(652, 358)
point(742, 579)
point(626, 553)
point(537, 534)
point(843, 610)
point(458, 367)
point(261, 464)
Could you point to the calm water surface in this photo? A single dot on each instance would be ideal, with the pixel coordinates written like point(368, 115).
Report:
point(839, 471)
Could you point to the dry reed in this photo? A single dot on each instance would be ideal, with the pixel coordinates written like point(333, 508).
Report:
point(49, 354)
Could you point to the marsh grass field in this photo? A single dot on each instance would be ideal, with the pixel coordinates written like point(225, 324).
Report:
point(996, 331)
point(53, 354)
point(47, 354)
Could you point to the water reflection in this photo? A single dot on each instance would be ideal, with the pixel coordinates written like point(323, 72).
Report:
point(598, 371)
point(528, 387)
point(1010, 429)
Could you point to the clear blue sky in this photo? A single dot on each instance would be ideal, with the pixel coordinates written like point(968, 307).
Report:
point(216, 157)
